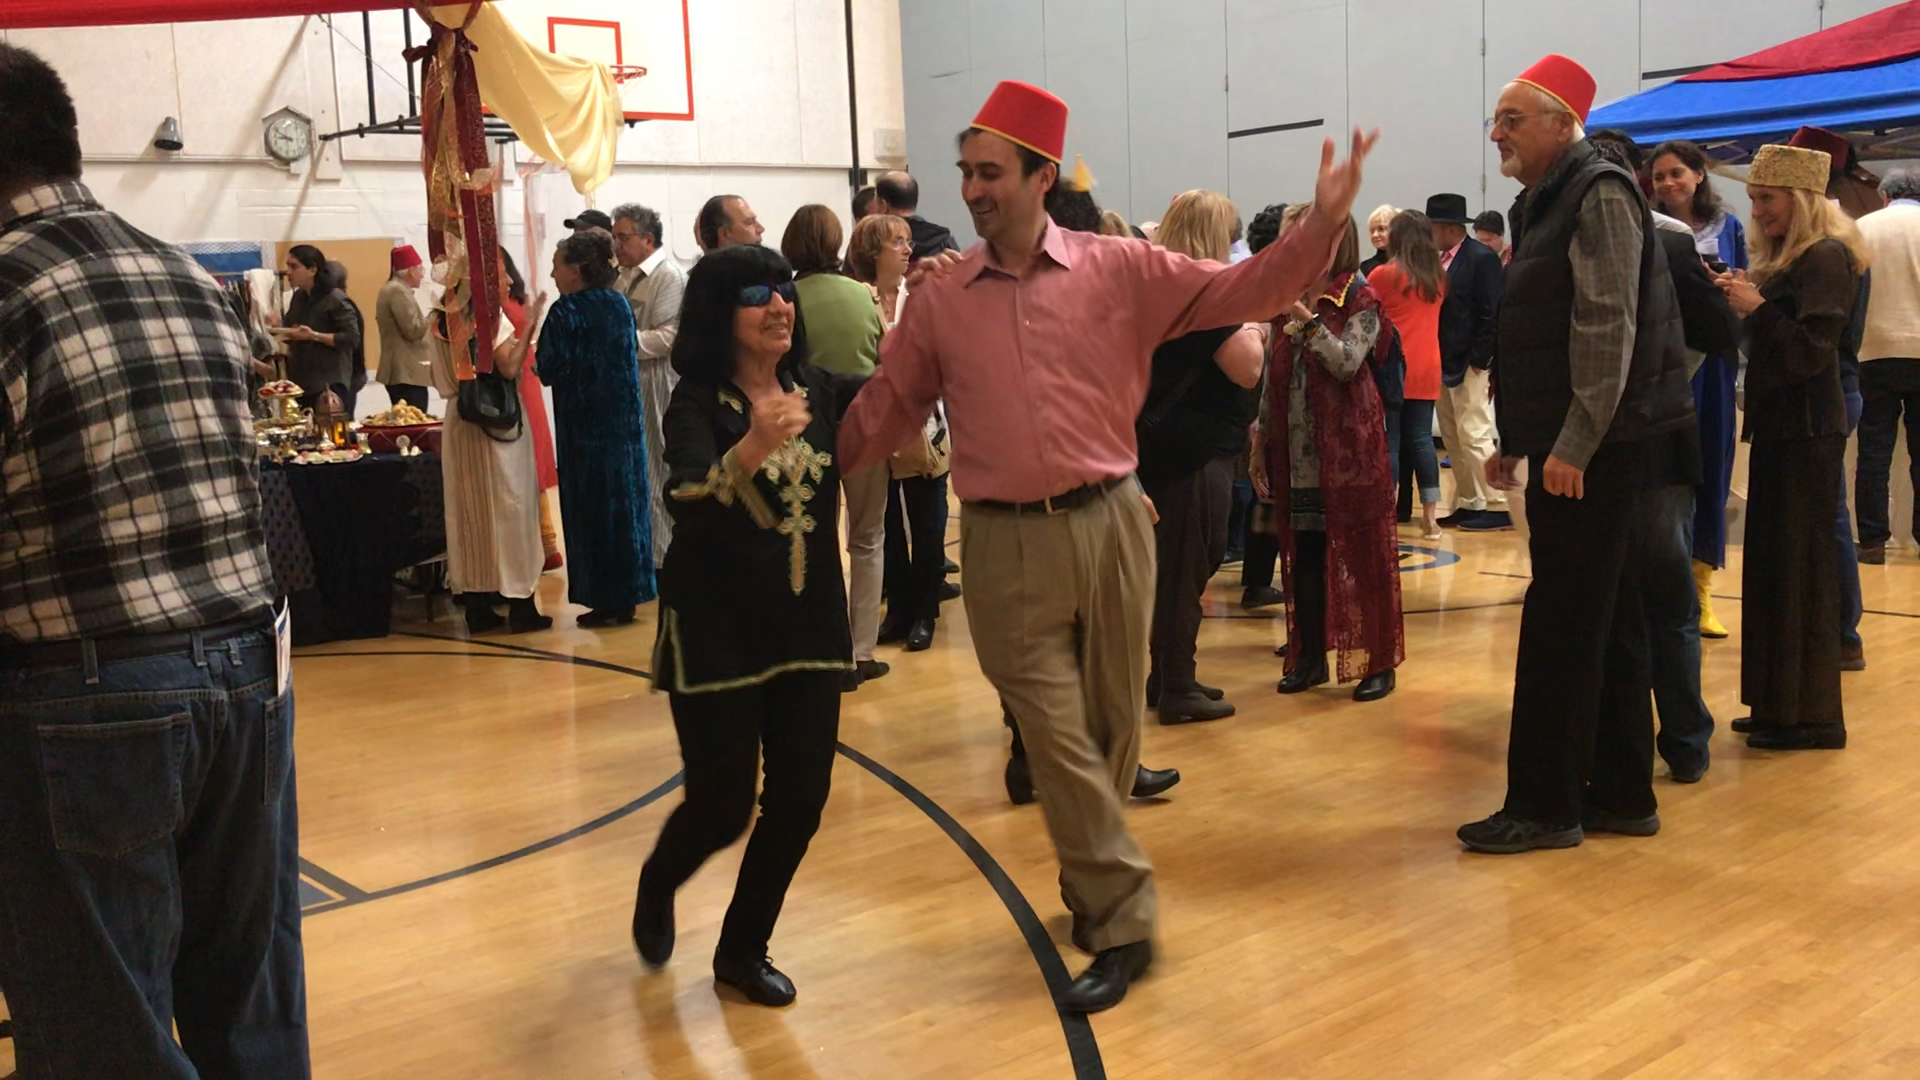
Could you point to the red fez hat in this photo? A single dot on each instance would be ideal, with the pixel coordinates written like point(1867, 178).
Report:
point(1026, 115)
point(1563, 80)
point(405, 258)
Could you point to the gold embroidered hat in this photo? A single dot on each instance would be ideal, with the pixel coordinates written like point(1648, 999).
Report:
point(1791, 167)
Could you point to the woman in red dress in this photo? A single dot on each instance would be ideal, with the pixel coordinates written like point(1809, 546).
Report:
point(533, 400)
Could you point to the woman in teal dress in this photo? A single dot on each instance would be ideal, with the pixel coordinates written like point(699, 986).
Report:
point(588, 359)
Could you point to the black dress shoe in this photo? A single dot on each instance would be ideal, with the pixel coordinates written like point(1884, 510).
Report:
point(1304, 678)
point(1871, 554)
point(1745, 726)
point(1148, 783)
point(481, 618)
point(1504, 834)
point(1687, 772)
point(1192, 707)
point(1451, 521)
point(1600, 821)
point(1800, 737)
point(1105, 982)
point(1019, 781)
point(949, 591)
point(759, 980)
point(920, 638)
point(1211, 693)
point(951, 567)
point(1375, 686)
point(1853, 657)
point(1261, 596)
point(893, 632)
point(524, 618)
point(653, 929)
point(1487, 521)
point(602, 617)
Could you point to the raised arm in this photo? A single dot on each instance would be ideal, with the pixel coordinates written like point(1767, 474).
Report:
point(1173, 294)
point(894, 405)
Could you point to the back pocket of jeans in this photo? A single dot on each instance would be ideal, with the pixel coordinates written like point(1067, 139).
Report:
point(113, 788)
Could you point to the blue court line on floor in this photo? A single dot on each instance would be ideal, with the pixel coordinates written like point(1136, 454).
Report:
point(1082, 1047)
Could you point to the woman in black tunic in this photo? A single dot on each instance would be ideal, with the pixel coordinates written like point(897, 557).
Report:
point(753, 610)
point(1808, 258)
point(323, 327)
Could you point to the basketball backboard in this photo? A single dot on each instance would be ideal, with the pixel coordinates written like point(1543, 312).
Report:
point(629, 34)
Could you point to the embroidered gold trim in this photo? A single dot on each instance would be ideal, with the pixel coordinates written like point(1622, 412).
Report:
point(791, 465)
point(670, 638)
point(725, 482)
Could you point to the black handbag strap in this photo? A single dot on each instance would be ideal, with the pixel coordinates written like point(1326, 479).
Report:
point(1157, 411)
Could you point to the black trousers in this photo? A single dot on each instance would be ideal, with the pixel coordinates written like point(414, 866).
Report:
point(794, 719)
point(415, 396)
point(1309, 599)
point(1582, 730)
point(1888, 389)
point(1190, 541)
point(916, 553)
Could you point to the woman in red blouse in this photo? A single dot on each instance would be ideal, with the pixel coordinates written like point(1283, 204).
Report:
point(1411, 289)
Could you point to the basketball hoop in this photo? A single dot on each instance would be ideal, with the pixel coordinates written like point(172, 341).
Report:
point(626, 73)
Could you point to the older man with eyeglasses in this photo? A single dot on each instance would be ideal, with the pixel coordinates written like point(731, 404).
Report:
point(653, 283)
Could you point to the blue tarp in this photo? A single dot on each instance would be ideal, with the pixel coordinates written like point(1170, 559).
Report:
point(1750, 112)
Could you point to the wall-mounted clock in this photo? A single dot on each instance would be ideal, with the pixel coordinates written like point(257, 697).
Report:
point(289, 136)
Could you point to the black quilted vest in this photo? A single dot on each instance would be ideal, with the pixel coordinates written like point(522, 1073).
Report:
point(1536, 318)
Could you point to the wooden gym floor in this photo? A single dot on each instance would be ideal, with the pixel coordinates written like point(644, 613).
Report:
point(474, 814)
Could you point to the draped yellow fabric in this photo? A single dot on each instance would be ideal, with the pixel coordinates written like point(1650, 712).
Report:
point(566, 110)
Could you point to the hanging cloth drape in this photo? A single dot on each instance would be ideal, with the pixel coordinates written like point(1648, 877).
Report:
point(566, 110)
point(460, 225)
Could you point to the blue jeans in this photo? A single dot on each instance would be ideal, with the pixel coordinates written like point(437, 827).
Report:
point(148, 835)
point(1416, 447)
point(1851, 605)
point(1665, 561)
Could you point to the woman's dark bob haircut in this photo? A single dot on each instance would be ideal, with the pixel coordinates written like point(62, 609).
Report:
point(705, 348)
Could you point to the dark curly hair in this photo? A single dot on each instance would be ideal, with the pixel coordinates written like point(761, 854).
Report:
point(1266, 227)
point(591, 253)
point(705, 348)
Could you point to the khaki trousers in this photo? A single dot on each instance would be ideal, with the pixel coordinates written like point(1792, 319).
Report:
point(1060, 608)
point(1466, 424)
point(866, 493)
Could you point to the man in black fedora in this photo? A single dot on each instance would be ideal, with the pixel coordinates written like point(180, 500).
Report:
point(1469, 329)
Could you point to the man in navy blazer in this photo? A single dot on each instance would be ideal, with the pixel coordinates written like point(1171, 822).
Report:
point(1469, 331)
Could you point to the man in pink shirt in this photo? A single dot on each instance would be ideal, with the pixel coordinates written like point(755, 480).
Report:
point(1040, 342)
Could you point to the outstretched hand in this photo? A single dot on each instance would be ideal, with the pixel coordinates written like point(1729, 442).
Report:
point(1339, 182)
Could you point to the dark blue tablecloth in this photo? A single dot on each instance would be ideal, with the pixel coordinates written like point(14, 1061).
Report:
point(337, 535)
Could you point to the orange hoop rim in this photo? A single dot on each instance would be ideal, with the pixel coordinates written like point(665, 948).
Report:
point(626, 72)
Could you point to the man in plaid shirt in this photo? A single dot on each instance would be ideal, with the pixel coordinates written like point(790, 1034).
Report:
point(147, 807)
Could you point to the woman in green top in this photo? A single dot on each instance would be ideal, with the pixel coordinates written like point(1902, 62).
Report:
point(843, 328)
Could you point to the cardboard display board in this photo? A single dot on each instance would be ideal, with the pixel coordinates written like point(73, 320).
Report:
point(368, 264)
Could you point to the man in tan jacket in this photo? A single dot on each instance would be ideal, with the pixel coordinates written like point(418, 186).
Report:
point(403, 331)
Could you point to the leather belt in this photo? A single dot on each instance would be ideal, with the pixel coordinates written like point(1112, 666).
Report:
point(1071, 499)
point(71, 652)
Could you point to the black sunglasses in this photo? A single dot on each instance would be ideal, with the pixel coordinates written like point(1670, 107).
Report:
point(762, 295)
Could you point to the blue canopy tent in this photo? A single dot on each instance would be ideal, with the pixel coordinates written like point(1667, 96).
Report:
point(1861, 79)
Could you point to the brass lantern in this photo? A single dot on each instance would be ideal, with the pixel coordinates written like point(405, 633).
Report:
point(330, 419)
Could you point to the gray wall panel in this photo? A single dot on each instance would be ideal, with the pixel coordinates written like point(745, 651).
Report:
point(933, 39)
point(1095, 89)
point(1431, 130)
point(937, 110)
point(1007, 42)
point(1689, 33)
point(1177, 116)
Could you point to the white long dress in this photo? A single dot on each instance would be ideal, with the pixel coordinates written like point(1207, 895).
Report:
point(492, 494)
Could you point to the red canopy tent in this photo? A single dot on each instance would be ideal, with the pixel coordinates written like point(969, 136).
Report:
point(23, 14)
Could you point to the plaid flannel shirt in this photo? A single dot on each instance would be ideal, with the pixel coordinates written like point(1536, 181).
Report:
point(129, 491)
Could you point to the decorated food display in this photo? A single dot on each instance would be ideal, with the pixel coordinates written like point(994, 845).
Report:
point(402, 428)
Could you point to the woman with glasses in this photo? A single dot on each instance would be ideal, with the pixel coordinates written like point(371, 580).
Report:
point(753, 635)
point(589, 359)
point(1808, 258)
point(843, 335)
point(1682, 190)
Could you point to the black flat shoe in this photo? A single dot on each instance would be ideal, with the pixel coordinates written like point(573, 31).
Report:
point(1375, 686)
point(1853, 657)
point(949, 591)
point(1304, 678)
point(481, 618)
point(1800, 737)
point(893, 633)
point(920, 638)
point(1148, 783)
point(951, 567)
point(653, 929)
point(1192, 707)
point(1105, 982)
point(1687, 773)
point(604, 617)
point(759, 980)
point(1261, 596)
point(1504, 834)
point(524, 618)
point(870, 670)
point(1020, 781)
point(1746, 726)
